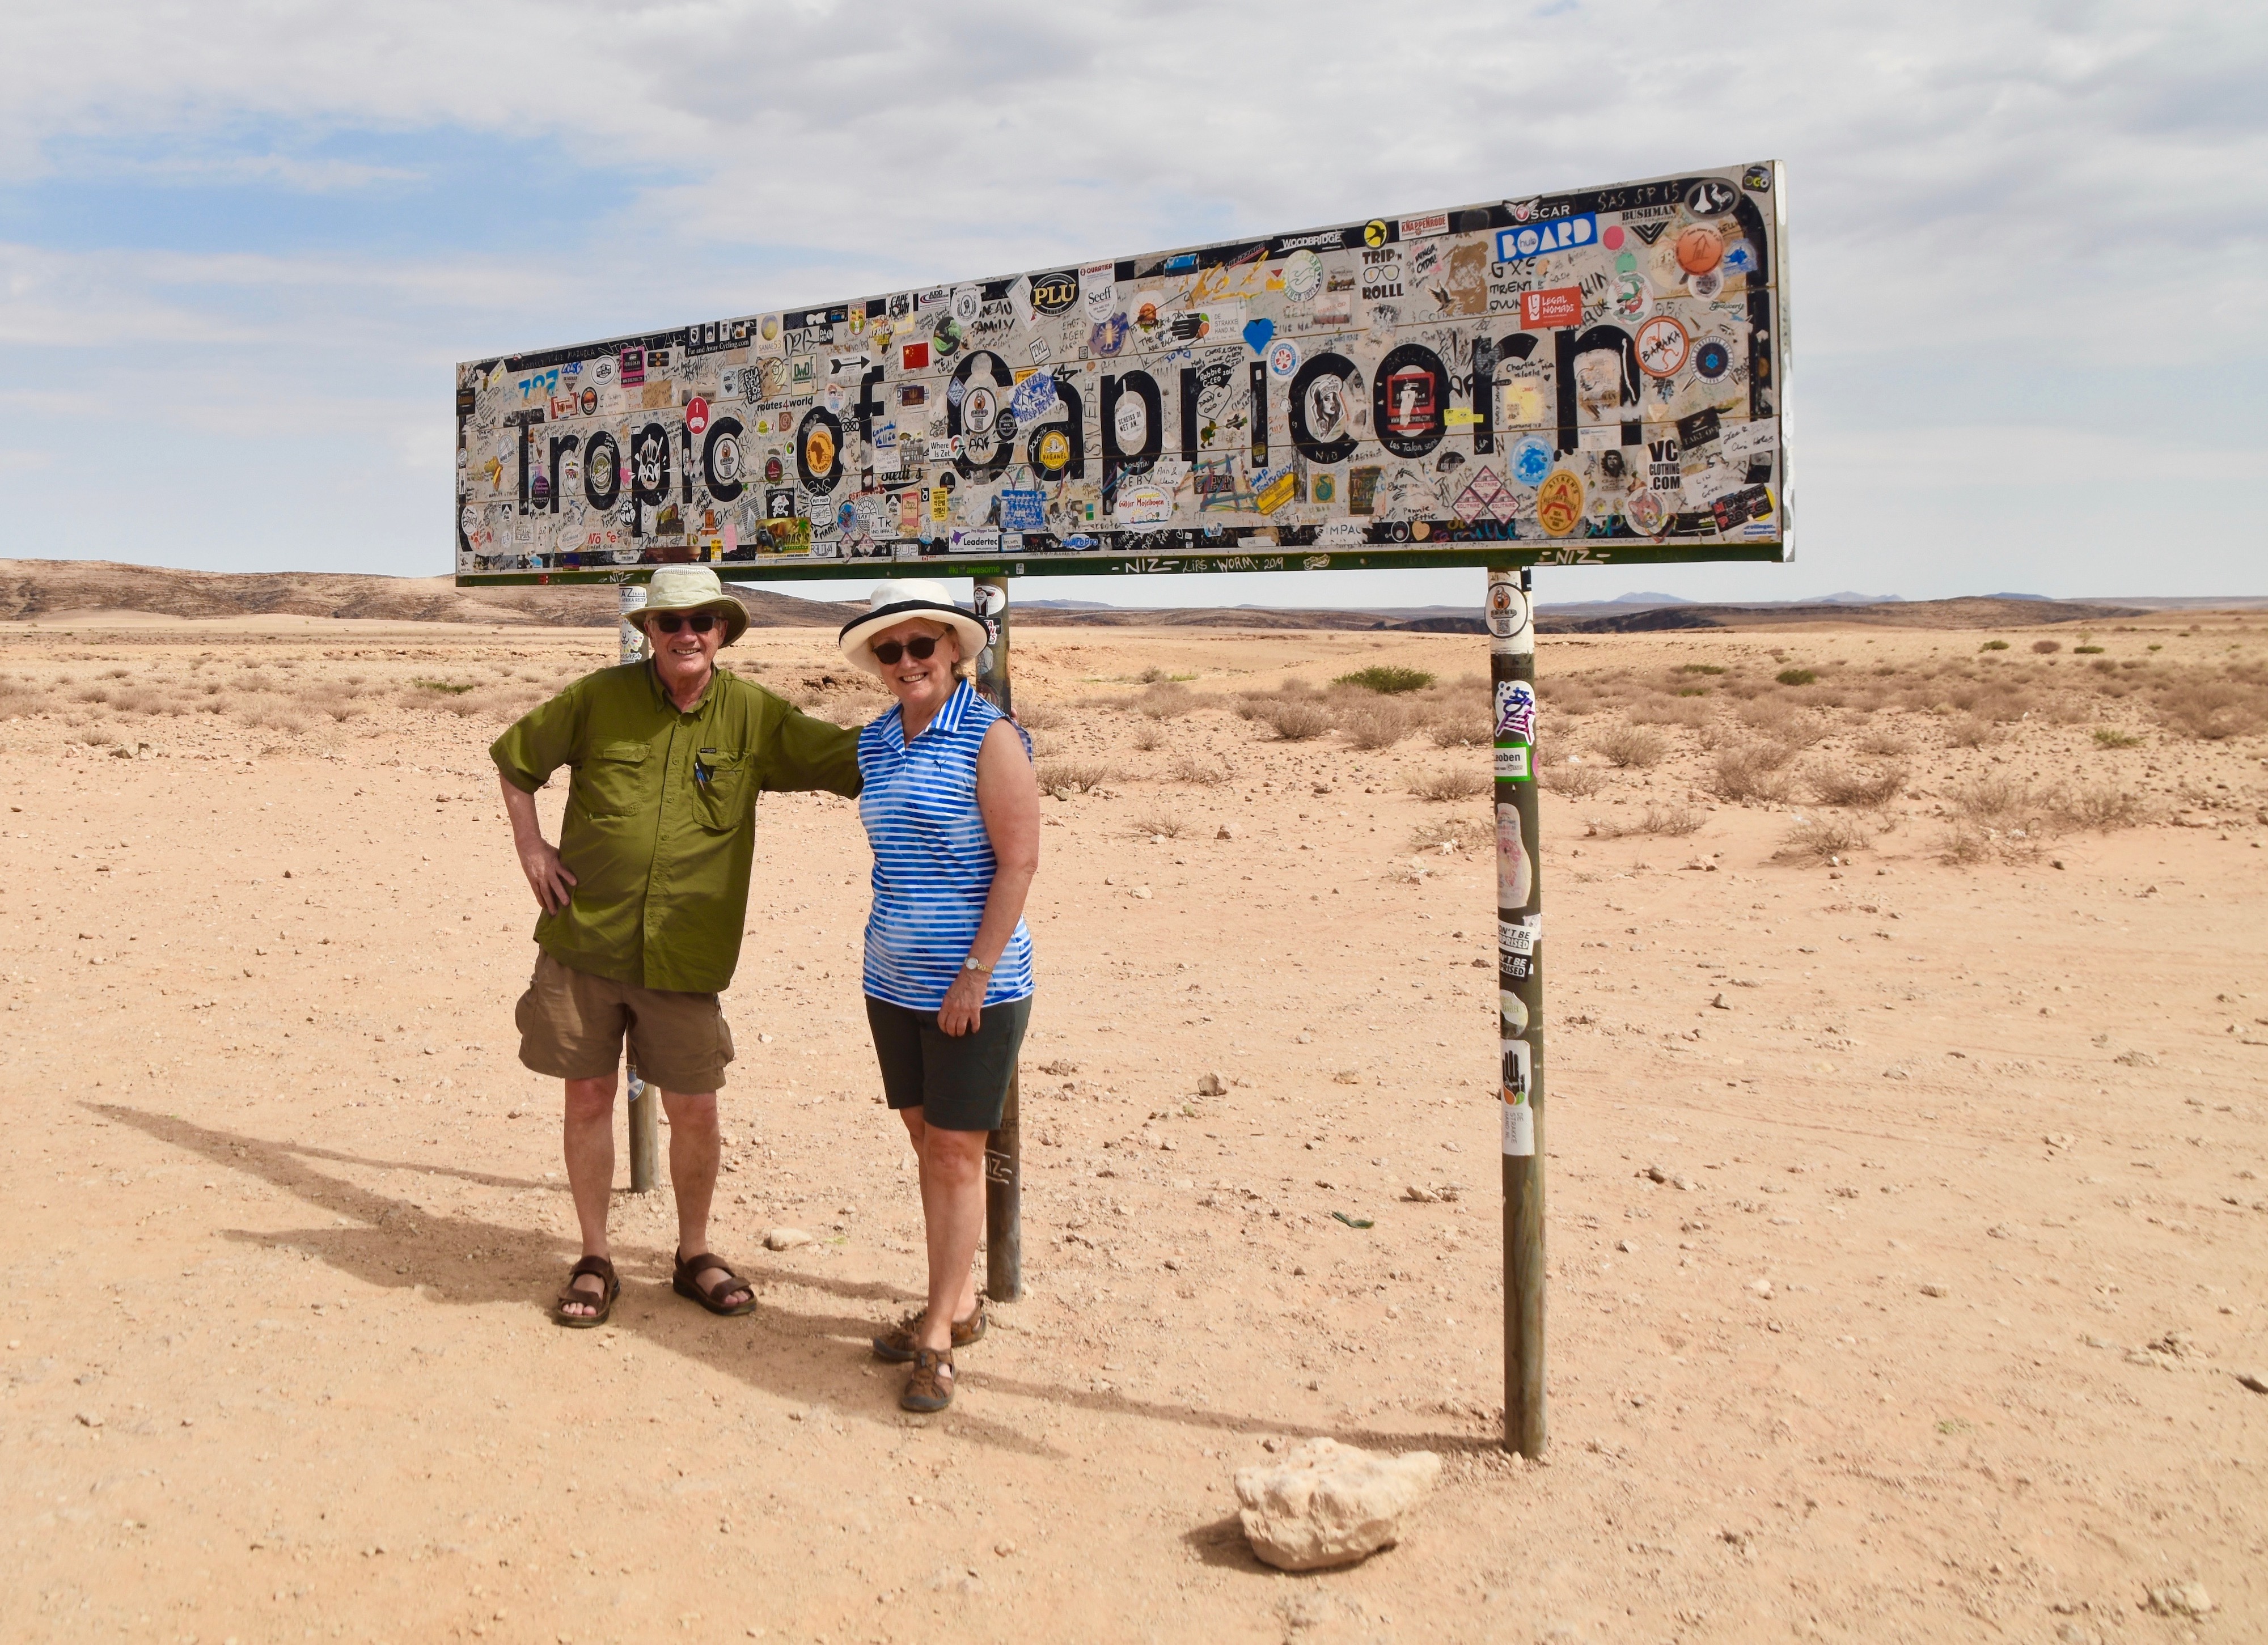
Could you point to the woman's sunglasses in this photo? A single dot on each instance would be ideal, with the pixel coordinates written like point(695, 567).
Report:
point(888, 651)
point(699, 621)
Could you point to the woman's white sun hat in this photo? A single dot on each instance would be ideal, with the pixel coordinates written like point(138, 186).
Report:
point(898, 601)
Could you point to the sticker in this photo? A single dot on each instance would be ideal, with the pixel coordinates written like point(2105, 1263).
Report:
point(1515, 874)
point(1277, 490)
point(978, 408)
point(605, 373)
point(1520, 403)
point(633, 367)
point(1662, 346)
point(1485, 497)
point(724, 458)
point(696, 415)
point(1144, 506)
point(1034, 397)
point(1561, 306)
point(968, 303)
point(1559, 502)
point(1374, 233)
point(1132, 422)
point(1713, 357)
point(1303, 275)
point(588, 401)
point(975, 539)
point(775, 470)
point(1054, 293)
point(1507, 610)
point(1561, 234)
point(1699, 249)
point(1283, 358)
point(1705, 286)
point(1711, 197)
point(818, 451)
point(1511, 1012)
point(1647, 513)
point(1518, 1125)
point(1752, 442)
point(1418, 228)
point(1515, 711)
point(1512, 764)
point(1757, 179)
point(1055, 449)
point(1515, 939)
point(1023, 511)
point(1098, 290)
point(1531, 461)
point(913, 356)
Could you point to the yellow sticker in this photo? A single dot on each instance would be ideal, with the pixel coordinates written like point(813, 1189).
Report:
point(1559, 502)
point(1278, 491)
point(940, 504)
point(1374, 233)
point(1055, 449)
point(1522, 403)
point(818, 451)
point(1457, 417)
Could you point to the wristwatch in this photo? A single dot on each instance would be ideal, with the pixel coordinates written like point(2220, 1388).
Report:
point(973, 964)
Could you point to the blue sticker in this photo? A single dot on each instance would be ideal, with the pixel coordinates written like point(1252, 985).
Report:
point(1564, 234)
point(1022, 510)
point(1257, 333)
point(1531, 461)
point(1034, 396)
point(1181, 263)
point(1283, 358)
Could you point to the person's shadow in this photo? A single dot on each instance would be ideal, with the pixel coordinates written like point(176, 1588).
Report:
point(807, 1358)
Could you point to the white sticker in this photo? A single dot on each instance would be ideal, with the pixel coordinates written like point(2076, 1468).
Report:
point(1512, 764)
point(1517, 939)
point(1519, 1130)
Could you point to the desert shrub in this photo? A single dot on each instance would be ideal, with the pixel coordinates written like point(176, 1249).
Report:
point(1165, 701)
point(1161, 825)
point(1853, 785)
point(443, 687)
point(1386, 678)
point(1822, 840)
point(2100, 810)
point(1675, 820)
point(2047, 648)
point(1632, 746)
point(1968, 731)
point(1575, 781)
point(1461, 728)
point(2111, 737)
point(1202, 772)
point(1751, 771)
point(2086, 650)
point(94, 738)
point(1797, 677)
point(1678, 710)
point(1149, 735)
point(1152, 675)
point(1074, 776)
point(1884, 744)
point(1375, 726)
point(1296, 721)
point(1699, 668)
point(1453, 782)
point(2213, 709)
point(1038, 716)
point(1993, 645)
point(1460, 831)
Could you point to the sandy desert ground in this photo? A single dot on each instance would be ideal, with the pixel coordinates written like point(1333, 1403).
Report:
point(1906, 1129)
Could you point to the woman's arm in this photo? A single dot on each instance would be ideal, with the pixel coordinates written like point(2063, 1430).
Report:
point(1008, 799)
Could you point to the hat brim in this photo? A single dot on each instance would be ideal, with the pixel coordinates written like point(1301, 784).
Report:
point(860, 630)
point(734, 614)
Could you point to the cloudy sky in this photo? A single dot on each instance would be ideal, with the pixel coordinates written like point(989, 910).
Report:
point(241, 247)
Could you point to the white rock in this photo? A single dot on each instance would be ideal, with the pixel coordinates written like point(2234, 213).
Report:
point(785, 1239)
point(2181, 1599)
point(1331, 1504)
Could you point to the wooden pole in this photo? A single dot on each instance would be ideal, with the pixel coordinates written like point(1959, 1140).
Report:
point(1519, 1001)
point(1003, 1149)
point(644, 1116)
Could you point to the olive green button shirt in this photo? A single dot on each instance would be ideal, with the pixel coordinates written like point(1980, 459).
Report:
point(660, 826)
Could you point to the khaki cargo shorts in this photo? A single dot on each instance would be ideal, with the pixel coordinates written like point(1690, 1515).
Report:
point(571, 1026)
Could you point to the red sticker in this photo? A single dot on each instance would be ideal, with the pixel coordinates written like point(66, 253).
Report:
point(913, 356)
point(1563, 306)
point(696, 417)
point(1662, 346)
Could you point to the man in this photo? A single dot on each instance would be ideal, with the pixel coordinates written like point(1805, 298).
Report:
point(645, 901)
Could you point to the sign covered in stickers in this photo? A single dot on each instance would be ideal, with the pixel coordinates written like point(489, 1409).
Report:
point(1592, 378)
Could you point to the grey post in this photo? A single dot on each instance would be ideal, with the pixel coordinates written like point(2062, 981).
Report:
point(1003, 1149)
point(1520, 984)
point(645, 1118)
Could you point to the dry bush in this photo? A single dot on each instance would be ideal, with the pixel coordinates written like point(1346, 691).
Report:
point(1632, 746)
point(1784, 723)
point(1968, 731)
point(1822, 840)
point(275, 717)
point(1454, 782)
point(1689, 712)
point(2045, 648)
point(1375, 726)
point(1459, 727)
point(1885, 745)
point(1165, 701)
point(1853, 785)
point(2110, 737)
point(1752, 771)
point(1675, 820)
point(1189, 769)
point(1575, 781)
point(1460, 831)
point(2098, 809)
point(1149, 736)
point(1161, 825)
point(1038, 716)
point(1296, 721)
point(1993, 800)
point(1074, 776)
point(2211, 709)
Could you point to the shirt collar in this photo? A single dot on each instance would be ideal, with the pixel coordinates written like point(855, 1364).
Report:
point(947, 719)
point(661, 692)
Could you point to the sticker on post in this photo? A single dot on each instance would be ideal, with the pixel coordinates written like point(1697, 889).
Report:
point(1519, 1082)
point(1515, 873)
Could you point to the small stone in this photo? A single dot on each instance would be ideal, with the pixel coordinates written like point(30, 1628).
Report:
point(1329, 1504)
point(1211, 1085)
point(1422, 1196)
point(1761, 1288)
point(1720, 1003)
point(90, 1418)
point(785, 1239)
point(1141, 891)
point(2181, 1599)
point(1228, 831)
point(2255, 1380)
point(1003, 1549)
point(1931, 1287)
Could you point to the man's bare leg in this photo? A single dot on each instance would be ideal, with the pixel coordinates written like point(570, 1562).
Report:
point(693, 1151)
point(589, 1145)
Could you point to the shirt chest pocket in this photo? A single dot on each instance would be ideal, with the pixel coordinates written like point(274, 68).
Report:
point(720, 789)
point(611, 782)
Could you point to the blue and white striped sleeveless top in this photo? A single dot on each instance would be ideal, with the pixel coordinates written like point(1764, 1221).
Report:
point(933, 861)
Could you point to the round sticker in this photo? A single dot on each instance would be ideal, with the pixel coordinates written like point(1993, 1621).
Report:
point(1531, 461)
point(1699, 249)
point(1559, 502)
point(1711, 196)
point(696, 415)
point(771, 327)
point(835, 397)
point(1647, 513)
point(1705, 286)
point(603, 373)
point(1712, 358)
point(1283, 358)
point(1662, 346)
point(819, 451)
point(724, 458)
point(1374, 233)
point(775, 470)
point(1612, 240)
point(588, 400)
point(1303, 275)
point(1055, 449)
point(968, 303)
point(468, 521)
point(1133, 422)
point(977, 410)
point(1633, 299)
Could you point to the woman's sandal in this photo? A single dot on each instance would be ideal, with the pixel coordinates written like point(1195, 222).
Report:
point(603, 1304)
point(689, 1269)
point(898, 1344)
point(930, 1388)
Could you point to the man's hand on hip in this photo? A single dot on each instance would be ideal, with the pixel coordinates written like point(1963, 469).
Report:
point(548, 877)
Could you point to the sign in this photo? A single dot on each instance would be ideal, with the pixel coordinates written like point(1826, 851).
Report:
point(1470, 386)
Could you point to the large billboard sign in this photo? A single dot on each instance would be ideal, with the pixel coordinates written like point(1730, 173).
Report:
point(1592, 378)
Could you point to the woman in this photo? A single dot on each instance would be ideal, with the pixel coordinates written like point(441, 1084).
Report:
point(952, 813)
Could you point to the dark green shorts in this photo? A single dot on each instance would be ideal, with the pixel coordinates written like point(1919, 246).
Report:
point(959, 1083)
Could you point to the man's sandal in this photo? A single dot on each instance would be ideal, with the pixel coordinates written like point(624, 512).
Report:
point(898, 1344)
point(602, 1305)
point(684, 1282)
point(930, 1387)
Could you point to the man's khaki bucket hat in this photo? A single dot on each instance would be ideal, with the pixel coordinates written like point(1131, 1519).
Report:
point(689, 587)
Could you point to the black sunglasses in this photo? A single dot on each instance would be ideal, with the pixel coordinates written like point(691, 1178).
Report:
point(919, 647)
point(699, 621)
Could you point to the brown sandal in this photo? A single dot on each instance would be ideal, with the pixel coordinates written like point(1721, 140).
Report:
point(689, 1269)
point(930, 1388)
point(898, 1344)
point(604, 1303)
